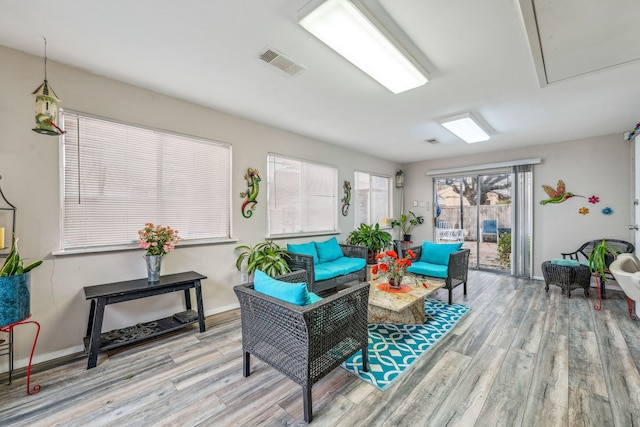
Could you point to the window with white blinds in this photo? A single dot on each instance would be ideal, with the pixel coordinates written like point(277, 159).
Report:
point(302, 196)
point(371, 198)
point(117, 177)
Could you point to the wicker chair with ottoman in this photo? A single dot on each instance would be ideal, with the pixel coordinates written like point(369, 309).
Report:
point(298, 333)
point(567, 274)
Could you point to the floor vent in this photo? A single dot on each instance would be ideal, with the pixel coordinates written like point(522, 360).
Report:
point(281, 62)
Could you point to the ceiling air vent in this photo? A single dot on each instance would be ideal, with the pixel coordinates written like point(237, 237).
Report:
point(281, 62)
point(432, 141)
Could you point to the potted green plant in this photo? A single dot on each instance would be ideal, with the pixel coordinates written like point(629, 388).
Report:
point(267, 257)
point(407, 223)
point(601, 257)
point(15, 287)
point(372, 237)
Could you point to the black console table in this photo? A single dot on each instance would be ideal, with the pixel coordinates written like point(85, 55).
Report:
point(111, 293)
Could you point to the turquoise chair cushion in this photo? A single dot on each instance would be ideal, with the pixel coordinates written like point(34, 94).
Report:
point(293, 293)
point(567, 262)
point(304, 249)
point(438, 253)
point(312, 298)
point(329, 250)
point(428, 269)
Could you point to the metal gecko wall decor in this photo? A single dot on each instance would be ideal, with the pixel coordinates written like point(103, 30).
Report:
point(346, 200)
point(253, 183)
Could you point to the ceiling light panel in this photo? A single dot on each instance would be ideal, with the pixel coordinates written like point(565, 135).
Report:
point(345, 29)
point(465, 127)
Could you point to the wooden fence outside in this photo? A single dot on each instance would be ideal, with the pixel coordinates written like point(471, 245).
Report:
point(501, 213)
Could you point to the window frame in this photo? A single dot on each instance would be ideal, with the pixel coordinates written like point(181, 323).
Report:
point(225, 232)
point(334, 209)
point(389, 213)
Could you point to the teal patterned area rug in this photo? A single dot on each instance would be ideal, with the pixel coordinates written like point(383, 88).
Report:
point(393, 348)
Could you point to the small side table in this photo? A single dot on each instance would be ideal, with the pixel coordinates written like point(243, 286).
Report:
point(112, 293)
point(7, 349)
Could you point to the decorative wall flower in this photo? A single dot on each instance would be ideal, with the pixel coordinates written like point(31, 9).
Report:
point(607, 211)
point(583, 211)
point(594, 199)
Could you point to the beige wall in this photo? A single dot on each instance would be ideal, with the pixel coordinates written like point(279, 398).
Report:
point(598, 166)
point(29, 165)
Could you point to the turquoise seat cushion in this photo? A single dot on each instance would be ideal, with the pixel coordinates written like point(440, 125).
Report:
point(329, 250)
point(293, 293)
point(304, 249)
point(438, 253)
point(567, 262)
point(428, 269)
point(312, 298)
point(338, 267)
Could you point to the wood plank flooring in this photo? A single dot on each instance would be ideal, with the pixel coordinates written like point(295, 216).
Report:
point(521, 357)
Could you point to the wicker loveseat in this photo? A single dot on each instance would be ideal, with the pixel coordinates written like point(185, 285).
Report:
point(303, 342)
point(443, 261)
point(322, 274)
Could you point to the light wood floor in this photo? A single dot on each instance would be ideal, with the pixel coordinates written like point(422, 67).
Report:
point(521, 357)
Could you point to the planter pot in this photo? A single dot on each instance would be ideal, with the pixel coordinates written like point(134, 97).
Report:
point(407, 237)
point(15, 298)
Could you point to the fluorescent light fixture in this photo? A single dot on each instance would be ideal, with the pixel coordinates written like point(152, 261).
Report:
point(465, 127)
point(346, 29)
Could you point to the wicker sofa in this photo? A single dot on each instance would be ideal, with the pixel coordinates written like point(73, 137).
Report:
point(320, 275)
point(451, 264)
point(304, 343)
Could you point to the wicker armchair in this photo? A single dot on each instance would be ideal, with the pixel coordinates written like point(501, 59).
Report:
point(457, 269)
point(566, 277)
point(303, 342)
point(305, 262)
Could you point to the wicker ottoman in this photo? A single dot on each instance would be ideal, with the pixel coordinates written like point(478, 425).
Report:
point(566, 277)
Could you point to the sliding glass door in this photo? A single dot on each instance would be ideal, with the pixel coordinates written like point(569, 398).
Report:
point(488, 212)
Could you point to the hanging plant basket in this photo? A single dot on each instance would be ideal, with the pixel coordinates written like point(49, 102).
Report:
point(15, 298)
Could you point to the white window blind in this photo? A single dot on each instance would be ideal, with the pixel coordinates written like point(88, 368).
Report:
point(371, 198)
point(302, 196)
point(117, 177)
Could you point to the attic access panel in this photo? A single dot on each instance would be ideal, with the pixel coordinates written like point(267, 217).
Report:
point(570, 38)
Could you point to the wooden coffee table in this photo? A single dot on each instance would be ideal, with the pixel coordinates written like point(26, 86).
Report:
point(400, 308)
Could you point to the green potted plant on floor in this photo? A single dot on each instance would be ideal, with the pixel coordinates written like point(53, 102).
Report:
point(407, 223)
point(372, 237)
point(267, 257)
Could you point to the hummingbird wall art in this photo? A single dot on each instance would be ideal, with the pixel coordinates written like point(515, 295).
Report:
point(558, 194)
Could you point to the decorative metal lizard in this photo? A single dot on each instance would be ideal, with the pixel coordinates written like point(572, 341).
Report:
point(346, 200)
point(253, 178)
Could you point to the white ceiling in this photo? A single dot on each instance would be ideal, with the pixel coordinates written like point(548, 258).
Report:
point(479, 57)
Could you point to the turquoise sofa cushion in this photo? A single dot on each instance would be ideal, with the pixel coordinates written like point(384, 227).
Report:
point(438, 253)
point(293, 293)
point(428, 269)
point(567, 262)
point(338, 267)
point(329, 250)
point(304, 249)
point(312, 298)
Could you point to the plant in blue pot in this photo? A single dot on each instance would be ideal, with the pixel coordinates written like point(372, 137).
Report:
point(15, 287)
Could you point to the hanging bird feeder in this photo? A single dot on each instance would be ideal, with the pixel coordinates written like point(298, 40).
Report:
point(46, 105)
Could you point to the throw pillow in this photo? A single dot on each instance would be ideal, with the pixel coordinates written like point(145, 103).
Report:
point(567, 262)
point(312, 298)
point(329, 250)
point(293, 293)
point(438, 253)
point(304, 249)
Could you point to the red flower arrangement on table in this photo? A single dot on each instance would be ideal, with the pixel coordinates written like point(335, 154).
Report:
point(389, 265)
